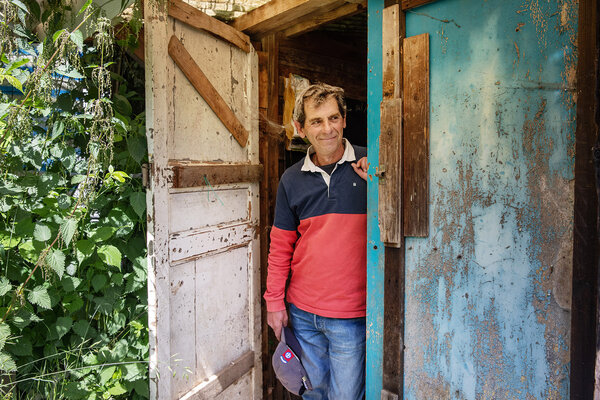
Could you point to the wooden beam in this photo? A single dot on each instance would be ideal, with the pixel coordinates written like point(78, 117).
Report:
point(390, 202)
point(408, 4)
point(195, 18)
point(218, 383)
point(198, 79)
point(276, 15)
point(390, 147)
point(584, 333)
point(389, 172)
point(187, 175)
point(312, 22)
point(416, 136)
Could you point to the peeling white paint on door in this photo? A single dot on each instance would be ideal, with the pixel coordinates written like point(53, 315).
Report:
point(204, 279)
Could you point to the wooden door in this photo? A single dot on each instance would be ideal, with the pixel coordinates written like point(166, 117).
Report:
point(204, 281)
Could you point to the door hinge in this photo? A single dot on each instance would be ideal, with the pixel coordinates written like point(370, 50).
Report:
point(146, 175)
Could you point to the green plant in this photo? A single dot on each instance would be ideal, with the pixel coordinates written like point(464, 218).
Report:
point(73, 305)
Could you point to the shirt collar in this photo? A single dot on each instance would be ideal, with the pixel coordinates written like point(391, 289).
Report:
point(347, 156)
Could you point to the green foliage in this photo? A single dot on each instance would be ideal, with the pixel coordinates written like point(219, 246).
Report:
point(73, 302)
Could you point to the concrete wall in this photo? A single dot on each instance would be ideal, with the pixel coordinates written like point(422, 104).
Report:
point(488, 293)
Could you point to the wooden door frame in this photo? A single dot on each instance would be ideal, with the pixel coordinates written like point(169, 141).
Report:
point(585, 322)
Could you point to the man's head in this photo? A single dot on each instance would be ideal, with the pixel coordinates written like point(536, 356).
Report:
point(320, 115)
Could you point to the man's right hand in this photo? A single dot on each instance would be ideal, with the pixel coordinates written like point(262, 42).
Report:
point(277, 320)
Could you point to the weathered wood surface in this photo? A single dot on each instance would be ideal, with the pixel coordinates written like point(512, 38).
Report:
point(198, 79)
point(585, 319)
point(390, 173)
point(204, 275)
point(322, 17)
point(408, 4)
point(416, 136)
point(390, 202)
point(276, 15)
point(199, 20)
point(393, 32)
point(390, 139)
point(159, 122)
point(188, 175)
point(217, 384)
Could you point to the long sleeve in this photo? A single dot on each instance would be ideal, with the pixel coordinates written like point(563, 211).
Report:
point(283, 240)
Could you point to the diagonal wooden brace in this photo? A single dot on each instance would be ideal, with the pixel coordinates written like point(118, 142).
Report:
point(198, 79)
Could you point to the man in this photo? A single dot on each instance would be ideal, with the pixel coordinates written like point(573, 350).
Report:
point(319, 233)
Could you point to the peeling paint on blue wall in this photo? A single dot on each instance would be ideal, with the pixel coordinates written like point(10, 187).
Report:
point(488, 293)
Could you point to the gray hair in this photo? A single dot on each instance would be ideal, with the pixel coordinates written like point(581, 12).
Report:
point(318, 92)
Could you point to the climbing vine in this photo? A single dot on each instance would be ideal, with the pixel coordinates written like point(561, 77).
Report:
point(73, 304)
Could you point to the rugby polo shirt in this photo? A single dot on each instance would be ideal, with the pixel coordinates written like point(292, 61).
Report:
point(320, 233)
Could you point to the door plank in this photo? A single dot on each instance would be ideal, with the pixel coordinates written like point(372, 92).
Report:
point(389, 171)
point(186, 246)
point(221, 381)
point(193, 17)
point(390, 207)
point(185, 176)
point(416, 136)
point(390, 140)
point(198, 79)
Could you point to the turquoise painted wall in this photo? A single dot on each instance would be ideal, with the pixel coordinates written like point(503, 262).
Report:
point(488, 292)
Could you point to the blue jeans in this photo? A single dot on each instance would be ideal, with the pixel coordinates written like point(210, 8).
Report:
point(333, 354)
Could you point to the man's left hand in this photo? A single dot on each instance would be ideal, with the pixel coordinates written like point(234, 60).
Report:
point(361, 167)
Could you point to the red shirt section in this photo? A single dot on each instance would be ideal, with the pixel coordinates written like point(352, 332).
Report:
point(328, 265)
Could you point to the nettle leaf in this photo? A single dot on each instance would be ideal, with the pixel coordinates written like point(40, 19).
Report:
point(85, 248)
point(64, 201)
point(42, 233)
point(58, 34)
point(72, 303)
point(4, 334)
point(61, 327)
point(110, 255)
point(57, 129)
point(138, 202)
point(21, 347)
point(141, 387)
point(75, 390)
point(31, 250)
point(117, 389)
point(67, 229)
point(70, 283)
point(9, 240)
point(106, 374)
point(5, 286)
point(82, 328)
point(7, 363)
point(99, 281)
point(56, 261)
point(77, 38)
point(132, 372)
point(102, 233)
point(24, 317)
point(14, 82)
point(120, 220)
point(39, 296)
point(84, 7)
point(137, 148)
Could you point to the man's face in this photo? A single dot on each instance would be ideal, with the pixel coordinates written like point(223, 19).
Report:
point(324, 128)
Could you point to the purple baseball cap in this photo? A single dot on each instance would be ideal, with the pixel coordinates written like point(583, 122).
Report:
point(287, 364)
